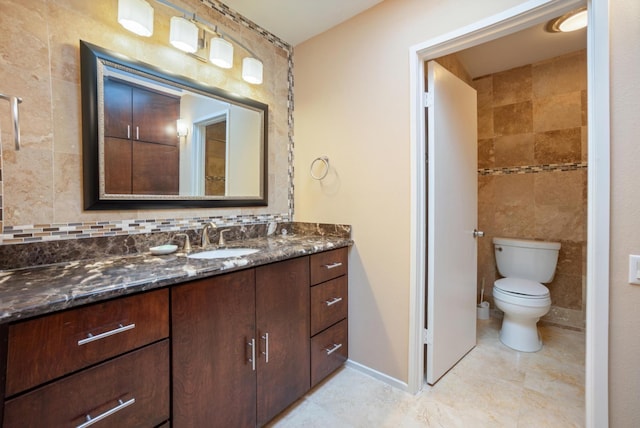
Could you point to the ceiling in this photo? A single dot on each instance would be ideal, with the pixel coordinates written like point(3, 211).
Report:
point(295, 21)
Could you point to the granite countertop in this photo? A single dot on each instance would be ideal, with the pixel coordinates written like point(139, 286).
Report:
point(39, 290)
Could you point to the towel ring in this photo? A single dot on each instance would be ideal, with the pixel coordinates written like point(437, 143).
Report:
point(325, 161)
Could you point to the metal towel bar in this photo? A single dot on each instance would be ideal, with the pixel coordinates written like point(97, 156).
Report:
point(14, 101)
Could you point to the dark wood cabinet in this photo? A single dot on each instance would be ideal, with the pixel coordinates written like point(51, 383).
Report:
point(67, 341)
point(213, 332)
point(129, 391)
point(329, 312)
point(141, 146)
point(241, 345)
point(232, 350)
point(282, 318)
point(107, 361)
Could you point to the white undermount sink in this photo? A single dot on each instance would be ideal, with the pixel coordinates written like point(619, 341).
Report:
point(223, 253)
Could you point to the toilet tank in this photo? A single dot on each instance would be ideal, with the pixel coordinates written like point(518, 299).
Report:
point(526, 259)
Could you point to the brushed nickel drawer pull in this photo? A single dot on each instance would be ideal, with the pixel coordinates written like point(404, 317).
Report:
point(335, 347)
point(333, 301)
point(120, 406)
point(91, 338)
point(333, 265)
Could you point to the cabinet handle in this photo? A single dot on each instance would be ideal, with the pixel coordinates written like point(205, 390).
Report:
point(333, 349)
point(252, 344)
point(91, 338)
point(121, 405)
point(137, 132)
point(333, 301)
point(333, 265)
point(266, 347)
point(128, 132)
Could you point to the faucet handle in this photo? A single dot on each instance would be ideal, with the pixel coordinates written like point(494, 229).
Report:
point(187, 243)
point(221, 241)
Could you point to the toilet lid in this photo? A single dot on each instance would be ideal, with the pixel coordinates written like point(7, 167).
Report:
point(521, 286)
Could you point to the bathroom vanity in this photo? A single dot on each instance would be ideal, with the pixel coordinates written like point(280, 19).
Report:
point(173, 341)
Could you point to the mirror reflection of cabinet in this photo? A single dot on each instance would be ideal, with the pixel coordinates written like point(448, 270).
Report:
point(141, 150)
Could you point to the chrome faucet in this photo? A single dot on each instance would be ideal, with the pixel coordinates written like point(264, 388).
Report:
point(205, 237)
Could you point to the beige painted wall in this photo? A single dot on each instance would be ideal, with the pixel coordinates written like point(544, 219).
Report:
point(624, 328)
point(39, 61)
point(352, 104)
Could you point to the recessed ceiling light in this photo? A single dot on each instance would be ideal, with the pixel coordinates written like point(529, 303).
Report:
point(572, 21)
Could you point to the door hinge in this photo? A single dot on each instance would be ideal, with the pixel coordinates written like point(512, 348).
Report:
point(427, 337)
point(427, 99)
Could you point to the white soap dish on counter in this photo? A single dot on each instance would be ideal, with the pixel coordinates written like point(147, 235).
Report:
point(163, 249)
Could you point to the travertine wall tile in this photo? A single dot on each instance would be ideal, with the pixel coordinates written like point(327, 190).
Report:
point(560, 75)
point(513, 119)
point(512, 86)
point(39, 61)
point(559, 146)
point(514, 150)
point(532, 153)
point(557, 112)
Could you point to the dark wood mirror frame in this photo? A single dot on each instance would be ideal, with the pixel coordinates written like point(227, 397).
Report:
point(89, 57)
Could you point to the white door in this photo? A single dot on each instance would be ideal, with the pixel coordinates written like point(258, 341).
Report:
point(452, 218)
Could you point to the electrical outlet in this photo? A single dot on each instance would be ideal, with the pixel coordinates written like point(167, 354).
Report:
point(634, 269)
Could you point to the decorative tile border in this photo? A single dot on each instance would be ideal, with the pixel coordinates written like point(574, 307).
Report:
point(78, 230)
point(277, 42)
point(96, 229)
point(533, 169)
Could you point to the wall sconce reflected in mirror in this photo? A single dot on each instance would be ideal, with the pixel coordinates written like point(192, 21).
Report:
point(182, 128)
point(136, 16)
point(184, 34)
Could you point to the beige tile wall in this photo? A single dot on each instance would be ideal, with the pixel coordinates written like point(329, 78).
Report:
point(535, 115)
point(39, 61)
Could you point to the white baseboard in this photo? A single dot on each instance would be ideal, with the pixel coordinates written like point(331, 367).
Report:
point(378, 375)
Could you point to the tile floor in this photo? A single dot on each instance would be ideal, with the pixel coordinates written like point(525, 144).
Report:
point(493, 386)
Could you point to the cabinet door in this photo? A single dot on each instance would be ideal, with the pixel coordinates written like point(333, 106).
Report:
point(282, 313)
point(156, 169)
point(154, 117)
point(214, 383)
point(117, 109)
point(117, 165)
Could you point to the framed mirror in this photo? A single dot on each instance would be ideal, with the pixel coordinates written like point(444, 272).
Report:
point(153, 139)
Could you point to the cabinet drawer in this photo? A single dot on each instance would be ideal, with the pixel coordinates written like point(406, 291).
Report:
point(328, 265)
point(129, 391)
point(51, 346)
point(329, 303)
point(329, 350)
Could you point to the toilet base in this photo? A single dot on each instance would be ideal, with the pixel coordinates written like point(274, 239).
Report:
point(520, 333)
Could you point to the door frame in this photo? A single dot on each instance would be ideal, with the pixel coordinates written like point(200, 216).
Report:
point(598, 216)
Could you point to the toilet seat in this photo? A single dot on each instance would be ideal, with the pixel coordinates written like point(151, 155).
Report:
point(521, 288)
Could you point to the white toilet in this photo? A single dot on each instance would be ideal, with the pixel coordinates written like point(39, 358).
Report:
point(524, 264)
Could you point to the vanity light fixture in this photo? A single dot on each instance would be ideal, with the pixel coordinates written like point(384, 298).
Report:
point(136, 16)
point(221, 52)
point(571, 21)
point(183, 34)
point(252, 70)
